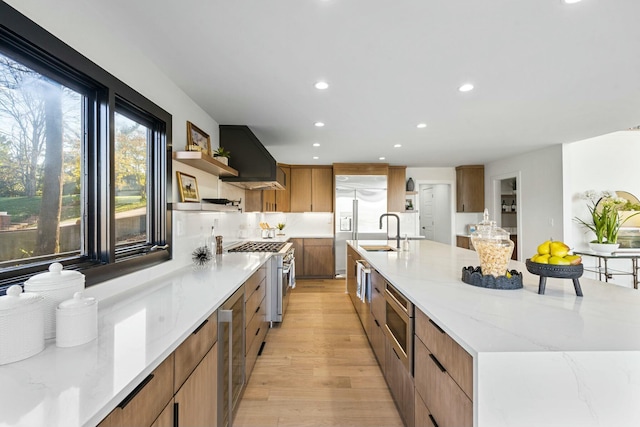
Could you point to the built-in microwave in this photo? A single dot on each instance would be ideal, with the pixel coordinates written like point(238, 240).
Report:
point(399, 325)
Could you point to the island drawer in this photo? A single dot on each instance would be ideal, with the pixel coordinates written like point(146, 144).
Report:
point(256, 324)
point(448, 404)
point(378, 304)
point(453, 358)
point(194, 348)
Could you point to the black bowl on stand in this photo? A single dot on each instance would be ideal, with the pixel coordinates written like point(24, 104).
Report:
point(573, 272)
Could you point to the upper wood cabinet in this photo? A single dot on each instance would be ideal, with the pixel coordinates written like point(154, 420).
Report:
point(396, 185)
point(311, 189)
point(283, 197)
point(470, 188)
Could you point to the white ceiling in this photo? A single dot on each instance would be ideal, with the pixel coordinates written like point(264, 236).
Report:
point(544, 72)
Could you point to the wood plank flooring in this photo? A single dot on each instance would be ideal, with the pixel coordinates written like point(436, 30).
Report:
point(317, 368)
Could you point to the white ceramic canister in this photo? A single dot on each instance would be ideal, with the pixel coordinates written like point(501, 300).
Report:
point(55, 286)
point(76, 321)
point(21, 325)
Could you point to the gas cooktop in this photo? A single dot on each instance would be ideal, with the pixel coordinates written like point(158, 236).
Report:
point(259, 247)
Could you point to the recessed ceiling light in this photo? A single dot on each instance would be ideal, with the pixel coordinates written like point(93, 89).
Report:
point(315, 144)
point(318, 124)
point(321, 85)
point(381, 158)
point(315, 157)
point(397, 146)
point(571, 1)
point(421, 125)
point(466, 87)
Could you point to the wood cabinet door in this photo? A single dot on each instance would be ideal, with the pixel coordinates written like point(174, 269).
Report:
point(318, 258)
point(298, 247)
point(283, 197)
point(192, 350)
point(470, 188)
point(300, 189)
point(352, 283)
point(377, 339)
point(268, 200)
point(462, 242)
point(166, 417)
point(400, 384)
point(146, 402)
point(197, 399)
point(253, 201)
point(396, 185)
point(322, 190)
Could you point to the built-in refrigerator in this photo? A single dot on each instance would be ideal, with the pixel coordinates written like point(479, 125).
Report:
point(360, 200)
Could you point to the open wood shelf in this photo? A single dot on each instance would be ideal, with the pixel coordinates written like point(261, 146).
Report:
point(209, 207)
point(204, 162)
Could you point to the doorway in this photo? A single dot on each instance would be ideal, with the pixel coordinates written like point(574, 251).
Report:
point(435, 212)
point(507, 201)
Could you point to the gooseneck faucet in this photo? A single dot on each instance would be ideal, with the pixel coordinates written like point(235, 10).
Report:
point(397, 223)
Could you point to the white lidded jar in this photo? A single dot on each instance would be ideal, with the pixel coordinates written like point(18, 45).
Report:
point(55, 286)
point(76, 321)
point(21, 325)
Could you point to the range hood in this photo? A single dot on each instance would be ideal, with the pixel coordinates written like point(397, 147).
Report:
point(257, 169)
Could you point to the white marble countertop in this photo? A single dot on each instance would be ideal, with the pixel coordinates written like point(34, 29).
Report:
point(79, 386)
point(487, 320)
point(539, 360)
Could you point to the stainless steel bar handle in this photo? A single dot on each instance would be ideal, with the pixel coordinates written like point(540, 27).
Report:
point(226, 316)
point(355, 219)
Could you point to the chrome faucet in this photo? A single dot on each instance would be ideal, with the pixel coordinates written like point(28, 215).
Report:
point(397, 223)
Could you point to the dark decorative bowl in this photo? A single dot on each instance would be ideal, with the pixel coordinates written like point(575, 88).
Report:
point(573, 272)
point(473, 276)
point(552, 270)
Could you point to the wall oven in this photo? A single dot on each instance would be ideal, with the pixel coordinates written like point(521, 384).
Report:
point(399, 325)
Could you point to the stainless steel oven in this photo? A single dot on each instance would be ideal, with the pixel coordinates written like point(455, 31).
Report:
point(280, 275)
point(399, 325)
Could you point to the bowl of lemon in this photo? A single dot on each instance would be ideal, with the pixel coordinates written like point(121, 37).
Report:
point(554, 259)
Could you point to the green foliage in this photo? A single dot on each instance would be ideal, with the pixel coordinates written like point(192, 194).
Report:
point(221, 152)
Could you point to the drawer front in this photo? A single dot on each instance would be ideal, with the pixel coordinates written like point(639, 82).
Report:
point(318, 242)
point(254, 301)
point(193, 349)
point(453, 357)
point(448, 404)
point(252, 282)
point(256, 325)
point(423, 417)
point(147, 401)
point(377, 297)
point(377, 339)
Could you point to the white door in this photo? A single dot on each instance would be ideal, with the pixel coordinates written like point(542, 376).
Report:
point(427, 212)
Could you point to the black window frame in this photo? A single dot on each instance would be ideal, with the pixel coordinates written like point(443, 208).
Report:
point(27, 42)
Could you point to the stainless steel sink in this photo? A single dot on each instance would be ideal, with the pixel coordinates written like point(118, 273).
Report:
point(378, 248)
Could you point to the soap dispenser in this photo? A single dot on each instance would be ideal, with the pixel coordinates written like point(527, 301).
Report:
point(405, 243)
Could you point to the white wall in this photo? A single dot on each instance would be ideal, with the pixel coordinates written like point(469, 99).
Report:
point(540, 195)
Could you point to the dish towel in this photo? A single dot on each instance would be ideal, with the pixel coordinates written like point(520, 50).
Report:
point(292, 274)
point(359, 272)
point(364, 288)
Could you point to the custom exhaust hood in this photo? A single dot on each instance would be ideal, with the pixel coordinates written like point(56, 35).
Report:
point(257, 169)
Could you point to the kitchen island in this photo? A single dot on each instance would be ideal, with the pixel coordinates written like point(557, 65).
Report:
point(538, 360)
point(137, 330)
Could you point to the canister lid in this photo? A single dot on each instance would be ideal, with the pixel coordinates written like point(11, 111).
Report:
point(55, 277)
point(15, 298)
point(77, 302)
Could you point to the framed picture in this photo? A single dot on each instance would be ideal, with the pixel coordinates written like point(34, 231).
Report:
point(188, 187)
point(197, 139)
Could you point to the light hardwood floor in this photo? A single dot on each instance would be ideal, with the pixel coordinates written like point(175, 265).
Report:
point(317, 368)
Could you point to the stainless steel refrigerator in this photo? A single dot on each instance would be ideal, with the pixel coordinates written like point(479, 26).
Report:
point(360, 200)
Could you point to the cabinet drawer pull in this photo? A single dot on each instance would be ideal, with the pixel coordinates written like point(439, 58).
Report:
point(200, 327)
point(435, 325)
point(135, 392)
point(258, 287)
point(258, 331)
point(257, 310)
point(437, 362)
point(377, 324)
point(176, 416)
point(433, 421)
point(377, 290)
point(394, 352)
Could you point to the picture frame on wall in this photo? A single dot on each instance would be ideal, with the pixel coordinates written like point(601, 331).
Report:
point(188, 187)
point(197, 139)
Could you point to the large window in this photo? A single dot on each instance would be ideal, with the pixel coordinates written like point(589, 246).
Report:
point(84, 166)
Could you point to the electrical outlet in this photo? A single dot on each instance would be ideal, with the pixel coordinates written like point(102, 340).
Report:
point(551, 222)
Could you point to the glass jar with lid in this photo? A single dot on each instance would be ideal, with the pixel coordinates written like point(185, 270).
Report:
point(494, 247)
